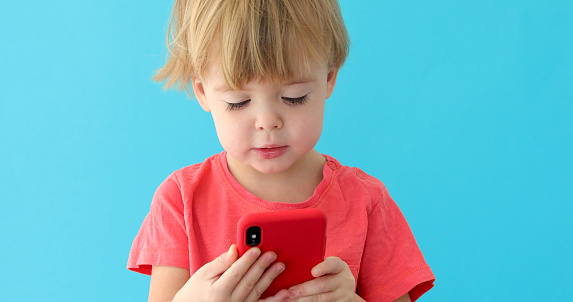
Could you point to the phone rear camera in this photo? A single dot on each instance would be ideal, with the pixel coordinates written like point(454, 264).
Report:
point(253, 236)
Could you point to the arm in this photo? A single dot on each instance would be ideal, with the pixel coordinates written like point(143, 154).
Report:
point(404, 298)
point(166, 281)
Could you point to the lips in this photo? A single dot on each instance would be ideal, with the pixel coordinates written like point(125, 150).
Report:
point(270, 151)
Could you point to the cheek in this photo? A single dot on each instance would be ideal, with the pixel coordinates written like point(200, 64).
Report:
point(229, 131)
point(315, 119)
point(309, 125)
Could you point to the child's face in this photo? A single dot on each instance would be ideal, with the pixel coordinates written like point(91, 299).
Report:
point(265, 125)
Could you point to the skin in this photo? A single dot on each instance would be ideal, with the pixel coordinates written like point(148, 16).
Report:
point(262, 116)
point(267, 118)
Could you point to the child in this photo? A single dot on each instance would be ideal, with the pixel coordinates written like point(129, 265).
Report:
point(264, 69)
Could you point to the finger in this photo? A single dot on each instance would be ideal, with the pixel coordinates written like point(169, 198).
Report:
point(221, 264)
point(324, 284)
point(320, 297)
point(279, 297)
point(248, 283)
point(265, 280)
point(231, 277)
point(330, 266)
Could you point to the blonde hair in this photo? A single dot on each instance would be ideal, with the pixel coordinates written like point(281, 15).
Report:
point(253, 39)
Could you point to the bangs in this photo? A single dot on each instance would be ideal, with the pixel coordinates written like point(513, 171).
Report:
point(267, 39)
point(253, 39)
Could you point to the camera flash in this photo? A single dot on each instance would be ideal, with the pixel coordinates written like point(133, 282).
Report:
point(253, 236)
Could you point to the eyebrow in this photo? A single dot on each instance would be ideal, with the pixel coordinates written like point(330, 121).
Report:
point(300, 81)
point(225, 88)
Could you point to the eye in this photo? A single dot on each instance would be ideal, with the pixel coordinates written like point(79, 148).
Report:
point(237, 106)
point(296, 101)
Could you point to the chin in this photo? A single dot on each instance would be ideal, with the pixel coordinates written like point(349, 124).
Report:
point(269, 170)
point(270, 167)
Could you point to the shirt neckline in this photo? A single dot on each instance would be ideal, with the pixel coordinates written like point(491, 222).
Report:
point(328, 173)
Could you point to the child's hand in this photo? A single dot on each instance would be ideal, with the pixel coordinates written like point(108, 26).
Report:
point(334, 282)
point(229, 279)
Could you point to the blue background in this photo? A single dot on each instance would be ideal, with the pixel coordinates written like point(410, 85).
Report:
point(463, 109)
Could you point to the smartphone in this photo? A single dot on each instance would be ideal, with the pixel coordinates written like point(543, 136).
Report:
point(298, 237)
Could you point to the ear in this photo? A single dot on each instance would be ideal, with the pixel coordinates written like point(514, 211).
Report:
point(331, 82)
point(199, 91)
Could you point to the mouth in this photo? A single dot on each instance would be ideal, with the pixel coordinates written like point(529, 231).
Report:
point(270, 151)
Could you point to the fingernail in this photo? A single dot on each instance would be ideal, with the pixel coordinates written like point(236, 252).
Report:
point(255, 252)
point(280, 268)
point(228, 254)
point(284, 294)
point(292, 293)
point(273, 257)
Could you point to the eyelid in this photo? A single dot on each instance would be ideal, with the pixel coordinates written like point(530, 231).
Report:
point(237, 106)
point(290, 101)
point(296, 101)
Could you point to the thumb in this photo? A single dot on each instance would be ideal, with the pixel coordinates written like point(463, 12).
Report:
point(220, 264)
point(278, 297)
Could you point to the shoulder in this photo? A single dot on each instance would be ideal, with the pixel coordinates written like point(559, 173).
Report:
point(198, 171)
point(353, 181)
point(354, 175)
point(188, 178)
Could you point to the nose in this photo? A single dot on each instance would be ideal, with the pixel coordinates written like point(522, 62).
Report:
point(268, 118)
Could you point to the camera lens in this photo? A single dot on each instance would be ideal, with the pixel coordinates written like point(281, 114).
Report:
point(253, 237)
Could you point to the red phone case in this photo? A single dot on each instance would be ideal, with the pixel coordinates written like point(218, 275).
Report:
point(297, 236)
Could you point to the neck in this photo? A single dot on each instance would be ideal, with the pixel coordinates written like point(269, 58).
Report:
point(293, 185)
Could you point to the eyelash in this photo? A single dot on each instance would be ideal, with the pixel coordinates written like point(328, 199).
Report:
point(296, 101)
point(237, 106)
point(290, 101)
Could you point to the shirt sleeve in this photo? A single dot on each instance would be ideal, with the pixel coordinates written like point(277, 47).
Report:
point(392, 264)
point(162, 238)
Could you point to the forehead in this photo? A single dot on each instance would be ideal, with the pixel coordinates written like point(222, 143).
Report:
point(301, 73)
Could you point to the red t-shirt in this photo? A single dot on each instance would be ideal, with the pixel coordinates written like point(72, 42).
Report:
point(194, 214)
